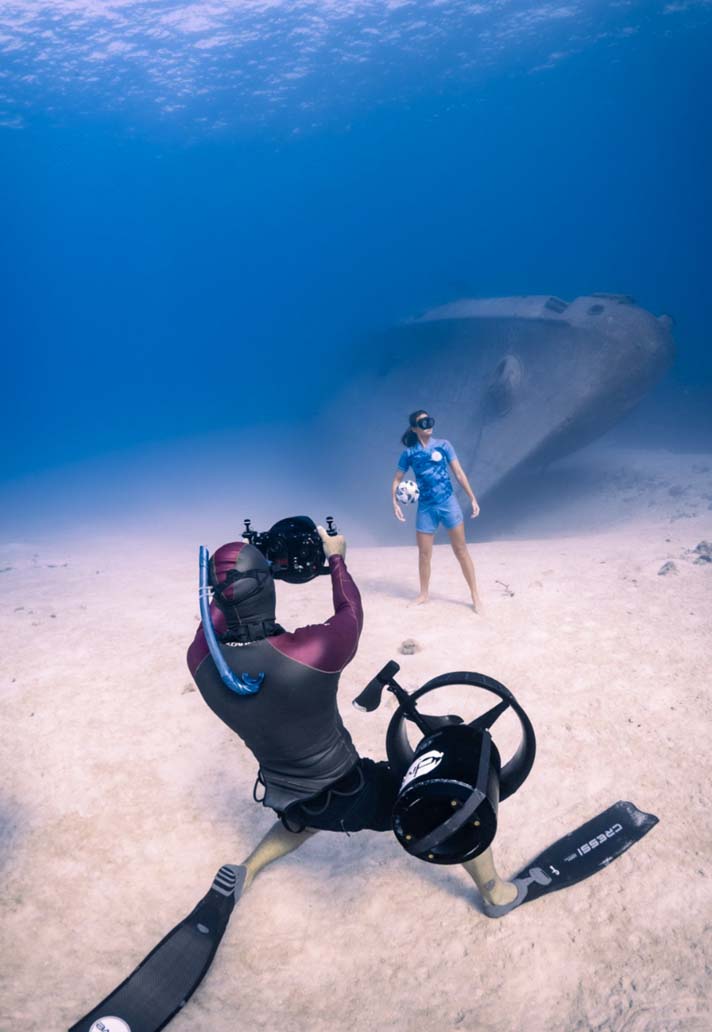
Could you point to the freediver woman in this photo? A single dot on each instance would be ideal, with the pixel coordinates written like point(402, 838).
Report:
point(430, 458)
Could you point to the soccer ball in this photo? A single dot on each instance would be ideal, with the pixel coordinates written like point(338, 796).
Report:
point(407, 491)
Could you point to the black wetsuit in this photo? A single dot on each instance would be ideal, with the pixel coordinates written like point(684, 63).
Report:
point(312, 773)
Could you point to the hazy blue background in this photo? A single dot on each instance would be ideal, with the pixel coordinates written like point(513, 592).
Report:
point(204, 205)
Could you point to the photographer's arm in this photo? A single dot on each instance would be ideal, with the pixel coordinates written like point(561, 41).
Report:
point(347, 620)
point(330, 646)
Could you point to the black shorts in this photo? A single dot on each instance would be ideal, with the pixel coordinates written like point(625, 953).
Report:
point(362, 799)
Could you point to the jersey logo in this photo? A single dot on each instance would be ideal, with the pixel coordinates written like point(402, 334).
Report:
point(437, 456)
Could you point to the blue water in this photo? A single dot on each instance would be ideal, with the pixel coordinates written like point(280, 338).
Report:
point(207, 207)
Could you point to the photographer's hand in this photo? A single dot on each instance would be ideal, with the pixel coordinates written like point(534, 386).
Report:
point(333, 544)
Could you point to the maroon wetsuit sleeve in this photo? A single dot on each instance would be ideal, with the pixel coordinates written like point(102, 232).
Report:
point(199, 647)
point(329, 646)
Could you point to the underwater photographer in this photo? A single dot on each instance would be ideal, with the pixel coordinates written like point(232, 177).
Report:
point(279, 693)
point(277, 690)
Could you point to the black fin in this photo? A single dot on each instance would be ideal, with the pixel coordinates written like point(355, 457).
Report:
point(579, 854)
point(161, 984)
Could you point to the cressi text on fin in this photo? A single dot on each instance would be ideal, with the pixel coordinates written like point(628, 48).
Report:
point(579, 854)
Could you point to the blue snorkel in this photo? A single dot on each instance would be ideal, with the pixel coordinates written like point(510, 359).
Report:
point(244, 685)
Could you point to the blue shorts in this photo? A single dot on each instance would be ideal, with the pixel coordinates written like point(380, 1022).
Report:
point(430, 516)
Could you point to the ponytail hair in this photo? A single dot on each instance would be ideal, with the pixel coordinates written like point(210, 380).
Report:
point(410, 438)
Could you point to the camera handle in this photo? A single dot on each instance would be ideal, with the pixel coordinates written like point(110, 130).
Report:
point(370, 699)
point(249, 534)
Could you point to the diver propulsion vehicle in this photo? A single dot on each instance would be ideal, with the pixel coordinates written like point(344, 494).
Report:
point(453, 781)
point(295, 552)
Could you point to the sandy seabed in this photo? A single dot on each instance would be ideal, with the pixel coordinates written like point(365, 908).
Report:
point(122, 794)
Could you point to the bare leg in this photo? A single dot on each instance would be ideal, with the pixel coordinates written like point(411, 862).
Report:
point(459, 547)
point(278, 842)
point(425, 554)
point(492, 887)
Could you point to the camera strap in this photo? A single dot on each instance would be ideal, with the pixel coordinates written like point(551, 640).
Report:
point(260, 577)
point(239, 633)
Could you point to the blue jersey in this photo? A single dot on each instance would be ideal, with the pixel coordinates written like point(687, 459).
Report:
point(430, 466)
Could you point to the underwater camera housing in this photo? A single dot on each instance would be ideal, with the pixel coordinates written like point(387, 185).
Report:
point(293, 547)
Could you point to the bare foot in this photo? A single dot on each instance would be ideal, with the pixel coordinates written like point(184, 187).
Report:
point(477, 604)
point(420, 600)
